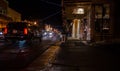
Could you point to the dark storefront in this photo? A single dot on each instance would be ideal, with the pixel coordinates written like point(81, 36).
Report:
point(91, 19)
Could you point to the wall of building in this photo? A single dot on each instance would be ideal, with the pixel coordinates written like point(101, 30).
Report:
point(16, 16)
point(3, 4)
point(7, 14)
point(3, 13)
point(116, 17)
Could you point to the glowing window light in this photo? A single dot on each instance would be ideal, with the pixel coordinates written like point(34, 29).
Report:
point(78, 11)
point(35, 23)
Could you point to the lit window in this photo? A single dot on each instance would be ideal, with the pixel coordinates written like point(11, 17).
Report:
point(78, 11)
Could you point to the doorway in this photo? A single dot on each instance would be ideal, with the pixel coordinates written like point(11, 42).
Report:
point(81, 22)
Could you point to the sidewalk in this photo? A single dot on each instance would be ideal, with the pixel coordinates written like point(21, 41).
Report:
point(77, 56)
point(42, 62)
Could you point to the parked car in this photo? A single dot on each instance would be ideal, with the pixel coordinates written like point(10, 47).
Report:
point(1, 35)
point(18, 31)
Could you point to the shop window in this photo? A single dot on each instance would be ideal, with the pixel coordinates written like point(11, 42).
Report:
point(78, 11)
point(2, 11)
point(102, 18)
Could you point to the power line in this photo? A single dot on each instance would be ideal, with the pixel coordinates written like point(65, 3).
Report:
point(55, 4)
point(51, 3)
point(51, 15)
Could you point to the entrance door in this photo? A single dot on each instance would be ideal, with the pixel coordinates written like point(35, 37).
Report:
point(81, 22)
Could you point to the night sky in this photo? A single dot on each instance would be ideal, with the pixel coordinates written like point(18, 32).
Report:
point(46, 10)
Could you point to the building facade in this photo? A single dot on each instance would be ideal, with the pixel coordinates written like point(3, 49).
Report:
point(16, 16)
point(4, 18)
point(89, 20)
point(7, 14)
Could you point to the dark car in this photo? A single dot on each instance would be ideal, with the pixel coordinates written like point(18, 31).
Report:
point(1, 35)
point(18, 30)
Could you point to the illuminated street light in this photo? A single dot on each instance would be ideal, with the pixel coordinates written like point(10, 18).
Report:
point(35, 23)
point(80, 11)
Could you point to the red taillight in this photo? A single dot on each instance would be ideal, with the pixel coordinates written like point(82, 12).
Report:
point(5, 31)
point(25, 31)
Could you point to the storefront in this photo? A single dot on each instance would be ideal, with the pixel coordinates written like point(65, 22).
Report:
point(88, 19)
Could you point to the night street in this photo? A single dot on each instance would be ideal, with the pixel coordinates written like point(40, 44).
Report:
point(74, 55)
point(59, 35)
point(17, 55)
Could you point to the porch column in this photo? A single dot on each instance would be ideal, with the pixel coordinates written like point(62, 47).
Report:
point(78, 29)
point(73, 30)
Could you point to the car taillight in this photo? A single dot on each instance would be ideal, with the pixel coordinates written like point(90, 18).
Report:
point(5, 31)
point(25, 31)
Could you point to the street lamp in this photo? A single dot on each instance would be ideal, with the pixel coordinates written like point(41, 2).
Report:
point(35, 23)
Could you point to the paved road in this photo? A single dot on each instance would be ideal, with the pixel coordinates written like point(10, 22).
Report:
point(15, 56)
